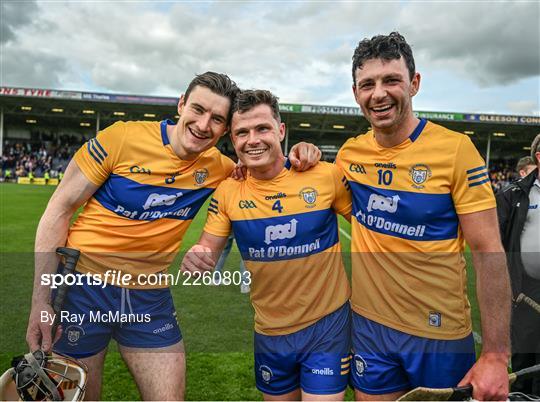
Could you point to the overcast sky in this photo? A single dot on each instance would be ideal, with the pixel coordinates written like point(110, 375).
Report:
point(473, 56)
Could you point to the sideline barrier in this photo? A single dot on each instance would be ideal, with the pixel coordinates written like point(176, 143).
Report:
point(40, 181)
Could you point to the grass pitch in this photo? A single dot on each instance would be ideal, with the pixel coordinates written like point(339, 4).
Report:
point(216, 322)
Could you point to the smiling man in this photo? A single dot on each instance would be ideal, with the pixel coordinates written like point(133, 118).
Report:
point(143, 183)
point(285, 225)
point(421, 192)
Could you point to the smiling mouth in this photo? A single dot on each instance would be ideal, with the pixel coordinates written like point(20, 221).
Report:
point(255, 152)
point(197, 135)
point(382, 109)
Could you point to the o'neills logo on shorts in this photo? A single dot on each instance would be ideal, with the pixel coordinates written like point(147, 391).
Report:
point(164, 328)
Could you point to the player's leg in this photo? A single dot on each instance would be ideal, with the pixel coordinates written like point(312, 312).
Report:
point(160, 373)
point(151, 344)
point(362, 396)
point(290, 396)
point(86, 340)
point(95, 375)
point(376, 372)
point(325, 356)
point(276, 370)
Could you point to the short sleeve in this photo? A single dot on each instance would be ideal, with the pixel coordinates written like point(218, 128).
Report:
point(227, 165)
point(97, 157)
point(342, 202)
point(217, 221)
point(471, 186)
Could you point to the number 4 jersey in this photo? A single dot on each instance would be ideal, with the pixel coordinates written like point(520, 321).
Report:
point(287, 233)
point(407, 245)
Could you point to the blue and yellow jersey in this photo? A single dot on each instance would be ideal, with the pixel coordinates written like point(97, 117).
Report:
point(147, 198)
point(407, 245)
point(287, 233)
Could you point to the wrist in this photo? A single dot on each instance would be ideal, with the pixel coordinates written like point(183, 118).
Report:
point(501, 357)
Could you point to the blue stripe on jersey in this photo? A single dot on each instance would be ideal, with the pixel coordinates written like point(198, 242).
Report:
point(403, 214)
point(96, 151)
point(212, 209)
point(164, 136)
point(91, 153)
point(477, 169)
point(477, 176)
point(133, 200)
point(286, 237)
point(418, 130)
point(478, 182)
point(100, 147)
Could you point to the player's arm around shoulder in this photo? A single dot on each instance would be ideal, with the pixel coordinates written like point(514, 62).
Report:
point(72, 192)
point(489, 375)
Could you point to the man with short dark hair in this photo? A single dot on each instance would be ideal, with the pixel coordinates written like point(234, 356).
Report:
point(142, 183)
point(285, 225)
point(525, 166)
point(419, 192)
point(518, 207)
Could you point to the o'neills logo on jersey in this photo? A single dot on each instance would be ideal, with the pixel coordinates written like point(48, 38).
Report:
point(280, 232)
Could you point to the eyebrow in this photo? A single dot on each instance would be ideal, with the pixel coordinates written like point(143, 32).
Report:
point(198, 105)
point(390, 75)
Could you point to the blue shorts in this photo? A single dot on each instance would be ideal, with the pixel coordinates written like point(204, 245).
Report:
point(138, 318)
point(316, 358)
point(386, 360)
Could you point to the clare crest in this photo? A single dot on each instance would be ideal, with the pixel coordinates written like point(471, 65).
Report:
point(359, 365)
point(74, 333)
point(266, 373)
point(419, 173)
point(200, 176)
point(309, 195)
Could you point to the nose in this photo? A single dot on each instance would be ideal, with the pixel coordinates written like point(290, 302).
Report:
point(203, 123)
point(253, 138)
point(379, 92)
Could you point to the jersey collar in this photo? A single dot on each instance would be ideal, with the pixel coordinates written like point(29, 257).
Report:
point(164, 136)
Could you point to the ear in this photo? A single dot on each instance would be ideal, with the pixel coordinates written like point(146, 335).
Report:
point(354, 94)
point(181, 104)
point(415, 85)
point(282, 131)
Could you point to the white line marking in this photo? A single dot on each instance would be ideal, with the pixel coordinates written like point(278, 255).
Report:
point(344, 233)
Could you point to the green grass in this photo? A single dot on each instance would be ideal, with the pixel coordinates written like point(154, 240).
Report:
point(216, 322)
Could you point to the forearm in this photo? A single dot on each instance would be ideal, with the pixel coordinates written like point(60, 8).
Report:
point(51, 233)
point(494, 300)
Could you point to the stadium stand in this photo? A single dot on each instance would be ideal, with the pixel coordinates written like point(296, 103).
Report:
point(40, 129)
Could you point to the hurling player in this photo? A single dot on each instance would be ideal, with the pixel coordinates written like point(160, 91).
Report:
point(420, 191)
point(286, 228)
point(143, 183)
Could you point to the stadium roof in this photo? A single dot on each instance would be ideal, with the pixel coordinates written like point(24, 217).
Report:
point(97, 97)
point(327, 126)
